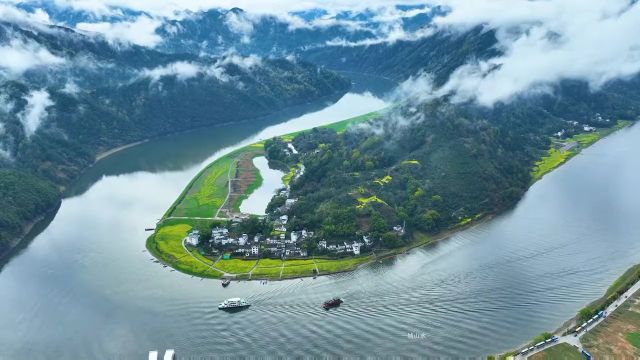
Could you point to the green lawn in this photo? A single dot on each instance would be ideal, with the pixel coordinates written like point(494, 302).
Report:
point(296, 262)
point(559, 352)
point(236, 266)
point(299, 270)
point(337, 265)
point(166, 245)
point(270, 263)
point(634, 339)
point(266, 272)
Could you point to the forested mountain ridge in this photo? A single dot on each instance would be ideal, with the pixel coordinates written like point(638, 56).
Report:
point(434, 165)
point(90, 96)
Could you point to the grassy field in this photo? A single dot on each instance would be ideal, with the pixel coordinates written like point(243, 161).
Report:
point(266, 272)
point(555, 156)
point(206, 193)
point(298, 270)
point(617, 337)
point(559, 352)
point(166, 245)
point(331, 266)
point(235, 266)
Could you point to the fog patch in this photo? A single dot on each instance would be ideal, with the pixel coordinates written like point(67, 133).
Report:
point(141, 31)
point(19, 56)
point(35, 111)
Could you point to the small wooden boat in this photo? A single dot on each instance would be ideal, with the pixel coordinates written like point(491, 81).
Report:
point(335, 302)
point(226, 282)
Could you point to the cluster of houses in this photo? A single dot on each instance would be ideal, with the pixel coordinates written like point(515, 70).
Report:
point(278, 246)
point(585, 127)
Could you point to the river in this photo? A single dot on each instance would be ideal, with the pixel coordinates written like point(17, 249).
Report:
point(256, 203)
point(86, 288)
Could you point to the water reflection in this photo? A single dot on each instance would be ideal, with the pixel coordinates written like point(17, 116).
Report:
point(86, 288)
point(257, 202)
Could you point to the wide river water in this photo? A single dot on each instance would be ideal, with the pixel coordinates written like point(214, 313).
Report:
point(85, 288)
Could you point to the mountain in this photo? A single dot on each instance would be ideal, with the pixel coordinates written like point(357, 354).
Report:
point(435, 165)
point(79, 95)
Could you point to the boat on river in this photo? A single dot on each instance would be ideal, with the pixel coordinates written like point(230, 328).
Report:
point(233, 304)
point(335, 302)
point(226, 282)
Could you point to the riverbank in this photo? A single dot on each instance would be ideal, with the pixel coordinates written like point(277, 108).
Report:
point(203, 200)
point(208, 192)
point(561, 151)
point(615, 296)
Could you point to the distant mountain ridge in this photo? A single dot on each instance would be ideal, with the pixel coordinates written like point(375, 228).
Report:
point(82, 94)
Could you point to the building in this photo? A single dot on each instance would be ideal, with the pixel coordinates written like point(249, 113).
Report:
point(356, 248)
point(255, 249)
point(193, 238)
point(284, 219)
point(322, 244)
point(294, 236)
point(289, 203)
point(367, 240)
point(242, 241)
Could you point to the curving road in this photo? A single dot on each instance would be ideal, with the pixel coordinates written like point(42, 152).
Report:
point(574, 340)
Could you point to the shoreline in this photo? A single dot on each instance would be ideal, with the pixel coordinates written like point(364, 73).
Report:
point(385, 253)
point(105, 154)
point(29, 226)
point(14, 244)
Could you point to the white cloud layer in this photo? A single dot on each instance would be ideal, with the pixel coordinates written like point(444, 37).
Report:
point(18, 56)
point(184, 70)
point(139, 32)
point(35, 112)
point(545, 42)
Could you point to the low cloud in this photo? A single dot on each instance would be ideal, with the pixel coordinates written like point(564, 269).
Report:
point(544, 42)
point(16, 15)
point(141, 31)
point(35, 112)
point(18, 56)
point(184, 70)
point(240, 23)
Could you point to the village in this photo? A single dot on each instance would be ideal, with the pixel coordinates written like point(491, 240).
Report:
point(284, 245)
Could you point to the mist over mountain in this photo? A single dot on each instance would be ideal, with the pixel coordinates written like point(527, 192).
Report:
point(78, 78)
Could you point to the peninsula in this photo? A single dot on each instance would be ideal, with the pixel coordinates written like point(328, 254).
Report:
point(308, 231)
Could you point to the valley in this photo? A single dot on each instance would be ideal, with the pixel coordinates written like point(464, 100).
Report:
point(201, 177)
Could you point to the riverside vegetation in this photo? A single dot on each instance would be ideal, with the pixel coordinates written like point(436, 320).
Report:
point(398, 178)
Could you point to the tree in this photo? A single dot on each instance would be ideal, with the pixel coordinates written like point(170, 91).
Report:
point(430, 219)
point(391, 240)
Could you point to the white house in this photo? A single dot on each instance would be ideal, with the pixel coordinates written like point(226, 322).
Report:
point(242, 241)
point(588, 128)
point(356, 248)
point(322, 244)
point(294, 236)
point(284, 219)
point(193, 238)
point(254, 250)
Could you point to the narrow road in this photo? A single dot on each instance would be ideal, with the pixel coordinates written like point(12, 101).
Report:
point(184, 246)
point(229, 192)
point(572, 338)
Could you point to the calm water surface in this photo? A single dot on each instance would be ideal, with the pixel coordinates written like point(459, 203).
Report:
point(85, 287)
point(257, 202)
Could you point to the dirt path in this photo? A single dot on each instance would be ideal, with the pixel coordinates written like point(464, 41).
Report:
point(231, 166)
point(184, 246)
